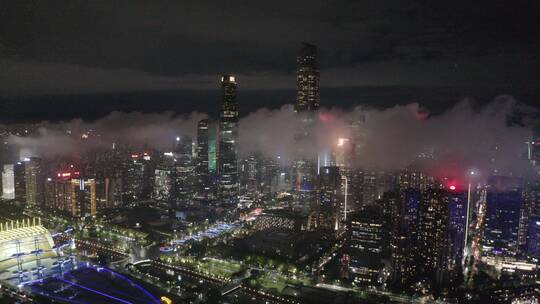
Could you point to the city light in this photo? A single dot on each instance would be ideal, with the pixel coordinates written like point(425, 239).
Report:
point(150, 178)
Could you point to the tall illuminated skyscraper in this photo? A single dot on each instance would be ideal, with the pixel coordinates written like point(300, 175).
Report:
point(433, 234)
point(325, 215)
point(34, 182)
point(19, 176)
point(185, 171)
point(228, 187)
point(202, 171)
point(503, 205)
point(307, 79)
point(307, 103)
point(8, 182)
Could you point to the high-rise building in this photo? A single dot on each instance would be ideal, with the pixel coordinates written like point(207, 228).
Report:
point(433, 233)
point(67, 192)
point(212, 147)
point(184, 171)
point(8, 182)
point(202, 165)
point(133, 175)
point(366, 246)
point(405, 215)
point(34, 182)
point(228, 188)
point(533, 237)
point(325, 214)
point(307, 79)
point(504, 201)
point(250, 174)
point(456, 228)
point(19, 177)
point(163, 184)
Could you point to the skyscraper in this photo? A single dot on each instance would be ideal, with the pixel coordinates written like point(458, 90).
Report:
point(503, 205)
point(405, 214)
point(8, 182)
point(202, 170)
point(228, 187)
point(19, 174)
point(184, 171)
point(325, 215)
point(433, 234)
point(68, 193)
point(366, 245)
point(307, 79)
point(34, 182)
point(456, 228)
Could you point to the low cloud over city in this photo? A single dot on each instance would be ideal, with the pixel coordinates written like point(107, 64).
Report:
point(492, 137)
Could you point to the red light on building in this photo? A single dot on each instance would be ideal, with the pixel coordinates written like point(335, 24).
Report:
point(452, 187)
point(325, 117)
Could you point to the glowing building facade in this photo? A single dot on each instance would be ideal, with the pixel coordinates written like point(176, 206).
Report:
point(307, 79)
point(72, 195)
point(228, 188)
point(8, 182)
point(503, 207)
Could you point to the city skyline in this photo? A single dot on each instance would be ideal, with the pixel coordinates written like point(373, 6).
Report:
point(183, 153)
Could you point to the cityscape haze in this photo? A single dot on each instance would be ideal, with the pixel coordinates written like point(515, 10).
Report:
point(305, 157)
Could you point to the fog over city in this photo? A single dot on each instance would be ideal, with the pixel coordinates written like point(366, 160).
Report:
point(488, 138)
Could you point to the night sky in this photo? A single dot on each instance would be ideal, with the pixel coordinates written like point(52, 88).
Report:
point(66, 59)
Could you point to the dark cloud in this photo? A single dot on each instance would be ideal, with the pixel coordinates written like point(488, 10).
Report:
point(79, 47)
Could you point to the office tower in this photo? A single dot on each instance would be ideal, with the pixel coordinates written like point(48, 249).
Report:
point(163, 184)
point(19, 174)
point(184, 171)
point(269, 177)
point(504, 201)
point(8, 182)
point(133, 175)
point(405, 223)
point(68, 193)
point(533, 237)
point(456, 228)
point(212, 147)
point(342, 154)
point(366, 246)
point(415, 179)
point(34, 182)
point(433, 233)
point(228, 186)
point(307, 79)
point(202, 165)
point(357, 138)
point(304, 181)
point(356, 179)
point(149, 162)
point(369, 187)
point(533, 151)
point(306, 166)
point(325, 215)
point(113, 190)
point(250, 174)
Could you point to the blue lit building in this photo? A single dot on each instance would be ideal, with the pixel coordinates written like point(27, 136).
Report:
point(456, 228)
point(503, 205)
point(533, 237)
